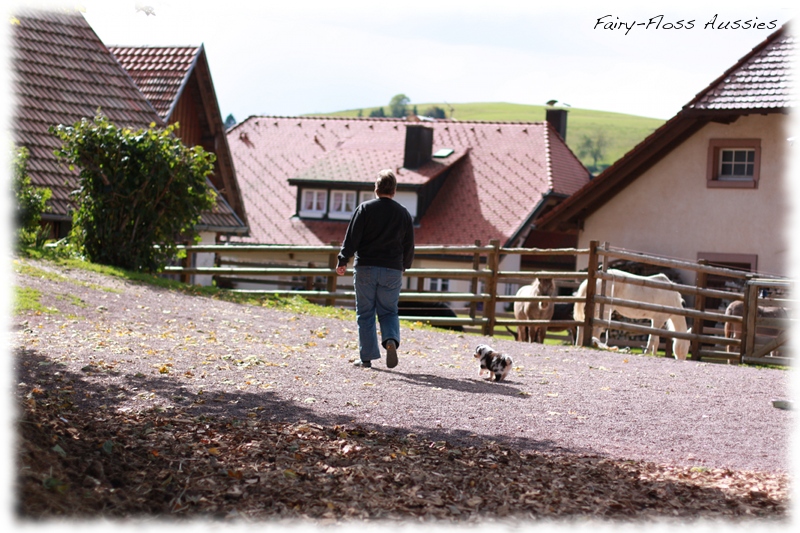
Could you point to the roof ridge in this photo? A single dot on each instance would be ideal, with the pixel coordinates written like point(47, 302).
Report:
point(153, 46)
point(394, 119)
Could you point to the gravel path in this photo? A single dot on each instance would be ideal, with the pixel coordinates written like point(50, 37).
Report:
point(121, 345)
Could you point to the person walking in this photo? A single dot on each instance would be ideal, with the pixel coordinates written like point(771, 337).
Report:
point(381, 237)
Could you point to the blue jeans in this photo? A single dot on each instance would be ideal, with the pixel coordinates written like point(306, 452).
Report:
point(377, 292)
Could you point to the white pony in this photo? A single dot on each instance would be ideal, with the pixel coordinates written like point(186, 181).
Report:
point(638, 293)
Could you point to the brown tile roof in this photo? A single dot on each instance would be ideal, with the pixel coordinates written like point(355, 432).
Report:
point(760, 82)
point(498, 173)
point(222, 217)
point(62, 73)
point(159, 71)
point(763, 79)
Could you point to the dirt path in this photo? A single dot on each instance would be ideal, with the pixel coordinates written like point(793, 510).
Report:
point(123, 346)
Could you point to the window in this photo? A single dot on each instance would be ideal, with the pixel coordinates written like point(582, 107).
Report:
point(365, 196)
point(440, 285)
point(343, 203)
point(314, 203)
point(733, 163)
point(736, 164)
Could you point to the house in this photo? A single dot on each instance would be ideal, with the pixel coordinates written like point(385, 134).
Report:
point(64, 73)
point(177, 81)
point(711, 183)
point(302, 177)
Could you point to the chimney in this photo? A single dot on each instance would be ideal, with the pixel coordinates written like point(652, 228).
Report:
point(419, 146)
point(558, 119)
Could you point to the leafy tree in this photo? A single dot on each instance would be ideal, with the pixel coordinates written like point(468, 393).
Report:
point(360, 113)
point(230, 121)
point(593, 146)
point(435, 112)
point(377, 113)
point(398, 105)
point(30, 203)
point(137, 189)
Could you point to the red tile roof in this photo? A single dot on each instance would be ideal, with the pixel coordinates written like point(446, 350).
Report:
point(763, 79)
point(63, 73)
point(159, 71)
point(498, 173)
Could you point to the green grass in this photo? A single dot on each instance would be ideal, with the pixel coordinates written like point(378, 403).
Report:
point(26, 299)
point(622, 131)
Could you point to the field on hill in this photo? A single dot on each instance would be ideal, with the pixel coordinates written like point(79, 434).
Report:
point(621, 131)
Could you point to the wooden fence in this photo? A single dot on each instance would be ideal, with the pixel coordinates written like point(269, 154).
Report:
point(707, 341)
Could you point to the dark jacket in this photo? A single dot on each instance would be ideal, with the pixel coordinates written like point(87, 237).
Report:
point(380, 233)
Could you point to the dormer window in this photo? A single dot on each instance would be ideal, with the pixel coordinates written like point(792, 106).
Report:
point(340, 204)
point(314, 203)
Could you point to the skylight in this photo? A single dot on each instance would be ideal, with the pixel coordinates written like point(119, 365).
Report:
point(443, 152)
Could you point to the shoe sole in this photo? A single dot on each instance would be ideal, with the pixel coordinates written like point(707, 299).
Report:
point(391, 356)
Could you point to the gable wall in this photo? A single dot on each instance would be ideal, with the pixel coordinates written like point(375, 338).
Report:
point(669, 211)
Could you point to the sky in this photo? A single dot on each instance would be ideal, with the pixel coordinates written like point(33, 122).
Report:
point(297, 57)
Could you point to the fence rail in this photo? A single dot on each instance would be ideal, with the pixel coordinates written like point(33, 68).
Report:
point(320, 283)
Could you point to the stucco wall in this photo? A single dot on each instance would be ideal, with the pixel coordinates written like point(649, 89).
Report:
point(669, 211)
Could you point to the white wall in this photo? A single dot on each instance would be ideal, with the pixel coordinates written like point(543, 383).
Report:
point(204, 259)
point(669, 211)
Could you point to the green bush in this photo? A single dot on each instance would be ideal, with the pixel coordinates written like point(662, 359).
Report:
point(137, 189)
point(30, 203)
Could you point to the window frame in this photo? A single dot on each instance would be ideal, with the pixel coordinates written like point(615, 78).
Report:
point(342, 214)
point(314, 213)
point(715, 149)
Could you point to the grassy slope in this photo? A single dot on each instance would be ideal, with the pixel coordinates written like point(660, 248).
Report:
point(623, 131)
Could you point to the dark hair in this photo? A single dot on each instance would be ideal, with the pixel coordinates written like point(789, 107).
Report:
point(386, 184)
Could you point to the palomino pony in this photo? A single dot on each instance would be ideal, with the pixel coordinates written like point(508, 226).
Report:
point(638, 293)
point(534, 310)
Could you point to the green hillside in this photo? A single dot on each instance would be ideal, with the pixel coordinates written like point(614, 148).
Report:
point(622, 132)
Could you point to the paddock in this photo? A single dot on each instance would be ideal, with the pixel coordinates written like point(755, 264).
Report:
point(294, 270)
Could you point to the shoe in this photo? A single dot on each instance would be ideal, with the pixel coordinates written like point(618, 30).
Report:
point(391, 354)
point(362, 364)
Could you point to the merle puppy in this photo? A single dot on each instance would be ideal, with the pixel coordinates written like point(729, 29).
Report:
point(497, 364)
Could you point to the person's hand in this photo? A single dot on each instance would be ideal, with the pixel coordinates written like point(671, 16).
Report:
point(341, 269)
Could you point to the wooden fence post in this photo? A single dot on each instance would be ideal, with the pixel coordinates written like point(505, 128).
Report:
point(476, 265)
point(699, 305)
point(187, 263)
point(333, 260)
point(749, 312)
point(591, 288)
point(310, 279)
point(493, 262)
